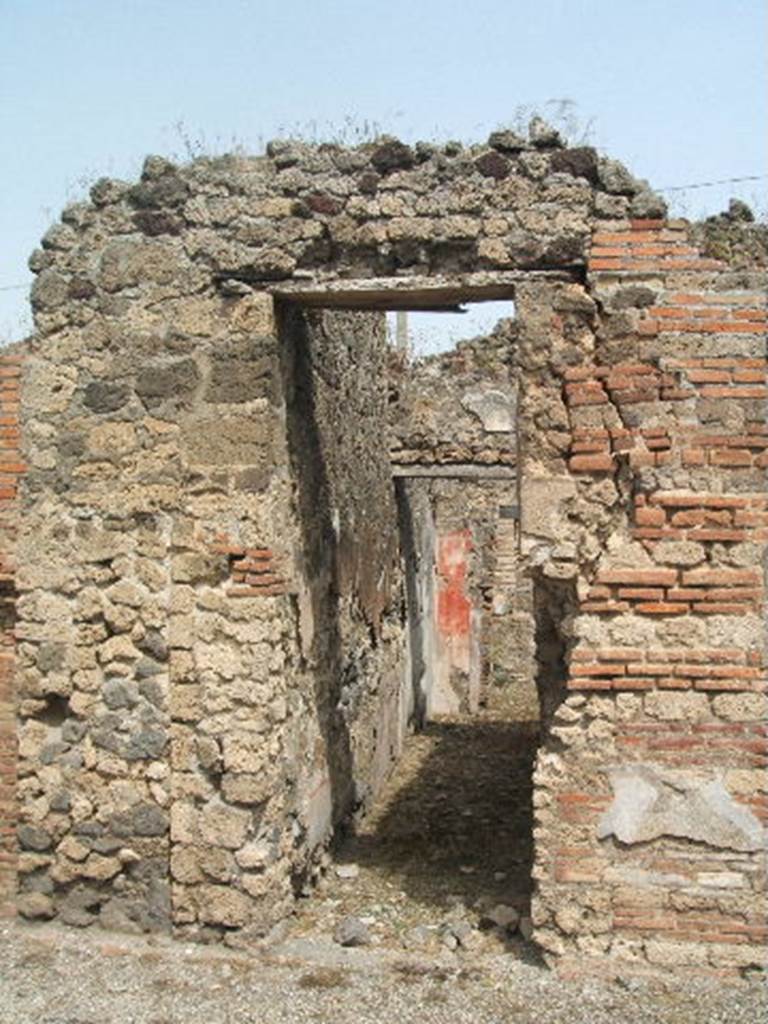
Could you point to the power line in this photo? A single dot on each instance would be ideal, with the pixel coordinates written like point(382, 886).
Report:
point(12, 287)
point(709, 184)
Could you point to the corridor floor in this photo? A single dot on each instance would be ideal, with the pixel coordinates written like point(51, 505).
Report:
point(449, 839)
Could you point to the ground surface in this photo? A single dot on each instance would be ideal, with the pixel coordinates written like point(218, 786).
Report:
point(57, 976)
point(449, 840)
point(447, 844)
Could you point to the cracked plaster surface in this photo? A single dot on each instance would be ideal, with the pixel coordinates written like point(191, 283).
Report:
point(651, 802)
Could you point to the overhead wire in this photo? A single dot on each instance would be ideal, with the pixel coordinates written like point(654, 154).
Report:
point(709, 184)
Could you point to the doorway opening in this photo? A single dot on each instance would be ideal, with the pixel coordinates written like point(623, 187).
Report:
point(425, 333)
point(417, 619)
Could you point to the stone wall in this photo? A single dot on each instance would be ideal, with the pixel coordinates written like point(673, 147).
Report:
point(458, 409)
point(151, 633)
point(351, 614)
point(208, 666)
point(175, 712)
point(11, 468)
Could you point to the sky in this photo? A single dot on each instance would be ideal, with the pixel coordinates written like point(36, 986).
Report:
point(676, 89)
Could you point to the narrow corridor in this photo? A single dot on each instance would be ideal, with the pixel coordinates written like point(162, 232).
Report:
point(449, 840)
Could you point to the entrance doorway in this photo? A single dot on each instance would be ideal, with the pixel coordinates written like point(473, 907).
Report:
point(432, 788)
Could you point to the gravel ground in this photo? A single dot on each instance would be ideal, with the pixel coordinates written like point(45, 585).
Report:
point(57, 976)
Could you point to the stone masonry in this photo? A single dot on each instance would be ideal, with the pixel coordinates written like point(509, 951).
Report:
point(10, 373)
point(206, 641)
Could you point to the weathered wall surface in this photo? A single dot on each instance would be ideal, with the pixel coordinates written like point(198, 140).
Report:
point(459, 408)
point(163, 555)
point(351, 601)
point(475, 604)
point(651, 793)
point(151, 637)
point(192, 634)
point(322, 213)
point(11, 468)
point(733, 236)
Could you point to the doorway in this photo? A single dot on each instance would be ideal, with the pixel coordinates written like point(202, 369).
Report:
point(431, 780)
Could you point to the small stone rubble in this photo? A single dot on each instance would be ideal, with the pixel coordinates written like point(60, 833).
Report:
point(52, 974)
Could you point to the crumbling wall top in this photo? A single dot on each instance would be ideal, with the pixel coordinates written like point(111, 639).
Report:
point(321, 211)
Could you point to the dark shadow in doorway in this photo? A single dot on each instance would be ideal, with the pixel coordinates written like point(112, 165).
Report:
point(455, 825)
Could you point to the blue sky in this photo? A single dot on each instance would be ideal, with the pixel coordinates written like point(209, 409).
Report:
point(676, 89)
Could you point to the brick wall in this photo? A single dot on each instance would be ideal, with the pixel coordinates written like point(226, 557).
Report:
point(667, 664)
point(253, 571)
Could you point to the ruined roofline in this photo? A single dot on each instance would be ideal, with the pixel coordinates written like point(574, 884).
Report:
point(386, 155)
point(384, 209)
point(734, 236)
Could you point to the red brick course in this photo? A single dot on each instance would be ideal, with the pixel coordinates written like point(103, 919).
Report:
point(715, 518)
point(629, 668)
point(661, 591)
point(253, 571)
point(629, 421)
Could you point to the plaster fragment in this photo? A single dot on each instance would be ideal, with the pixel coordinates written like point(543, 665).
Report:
point(650, 802)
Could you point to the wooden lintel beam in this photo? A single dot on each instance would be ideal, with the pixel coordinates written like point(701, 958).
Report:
point(416, 293)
